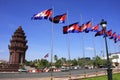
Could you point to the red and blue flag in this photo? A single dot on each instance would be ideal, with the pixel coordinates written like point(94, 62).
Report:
point(118, 38)
point(43, 15)
point(109, 33)
point(99, 33)
point(88, 26)
point(113, 36)
point(95, 28)
point(58, 18)
point(72, 28)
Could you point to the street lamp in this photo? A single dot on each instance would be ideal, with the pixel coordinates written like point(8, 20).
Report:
point(109, 70)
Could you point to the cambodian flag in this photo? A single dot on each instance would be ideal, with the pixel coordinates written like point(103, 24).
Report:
point(109, 33)
point(81, 28)
point(58, 18)
point(88, 24)
point(118, 38)
point(95, 28)
point(72, 28)
point(99, 33)
point(43, 15)
point(113, 36)
point(65, 29)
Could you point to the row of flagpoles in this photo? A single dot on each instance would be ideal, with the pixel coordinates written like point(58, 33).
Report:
point(72, 28)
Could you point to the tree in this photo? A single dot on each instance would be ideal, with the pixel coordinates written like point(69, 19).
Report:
point(58, 63)
point(81, 62)
point(43, 63)
point(74, 62)
point(55, 57)
point(99, 62)
point(63, 60)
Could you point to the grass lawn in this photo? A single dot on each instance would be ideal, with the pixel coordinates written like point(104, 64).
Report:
point(115, 77)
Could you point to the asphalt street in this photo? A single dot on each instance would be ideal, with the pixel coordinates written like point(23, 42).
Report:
point(41, 74)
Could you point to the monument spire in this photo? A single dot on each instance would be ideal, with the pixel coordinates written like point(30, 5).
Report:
point(18, 47)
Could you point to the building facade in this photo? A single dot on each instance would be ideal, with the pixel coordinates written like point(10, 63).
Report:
point(115, 59)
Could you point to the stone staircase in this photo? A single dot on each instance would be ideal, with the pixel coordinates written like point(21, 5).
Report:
point(9, 67)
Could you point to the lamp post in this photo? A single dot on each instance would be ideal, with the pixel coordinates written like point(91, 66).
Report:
point(109, 70)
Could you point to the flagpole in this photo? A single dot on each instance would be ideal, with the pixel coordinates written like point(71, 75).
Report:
point(83, 47)
point(69, 57)
point(52, 31)
point(83, 55)
point(94, 46)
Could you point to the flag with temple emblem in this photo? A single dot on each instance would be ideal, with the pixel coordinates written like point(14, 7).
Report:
point(72, 28)
point(43, 15)
point(113, 36)
point(95, 28)
point(88, 26)
point(117, 38)
point(58, 18)
point(99, 33)
point(109, 33)
point(83, 27)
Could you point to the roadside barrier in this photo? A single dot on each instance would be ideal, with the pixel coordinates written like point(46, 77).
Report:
point(34, 71)
point(56, 70)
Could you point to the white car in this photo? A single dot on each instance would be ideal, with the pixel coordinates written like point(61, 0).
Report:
point(22, 70)
point(64, 69)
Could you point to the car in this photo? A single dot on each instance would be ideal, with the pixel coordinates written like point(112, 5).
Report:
point(64, 69)
point(22, 70)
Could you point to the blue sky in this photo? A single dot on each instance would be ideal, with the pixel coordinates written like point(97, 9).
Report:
point(14, 13)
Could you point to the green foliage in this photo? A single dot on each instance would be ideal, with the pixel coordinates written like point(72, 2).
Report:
point(55, 57)
point(38, 63)
point(81, 62)
point(99, 62)
point(74, 62)
point(58, 63)
point(43, 63)
point(96, 62)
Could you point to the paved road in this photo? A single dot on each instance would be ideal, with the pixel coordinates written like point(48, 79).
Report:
point(41, 75)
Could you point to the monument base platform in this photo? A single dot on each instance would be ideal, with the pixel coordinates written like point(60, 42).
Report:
point(9, 67)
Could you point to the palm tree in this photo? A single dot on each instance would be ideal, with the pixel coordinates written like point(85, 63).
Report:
point(63, 60)
point(58, 63)
point(55, 57)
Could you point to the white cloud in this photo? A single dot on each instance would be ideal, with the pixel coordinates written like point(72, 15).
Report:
point(89, 48)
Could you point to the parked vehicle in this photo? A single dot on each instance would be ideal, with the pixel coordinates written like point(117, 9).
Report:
point(64, 69)
point(22, 70)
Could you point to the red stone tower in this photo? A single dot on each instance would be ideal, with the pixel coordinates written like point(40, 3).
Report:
point(18, 47)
